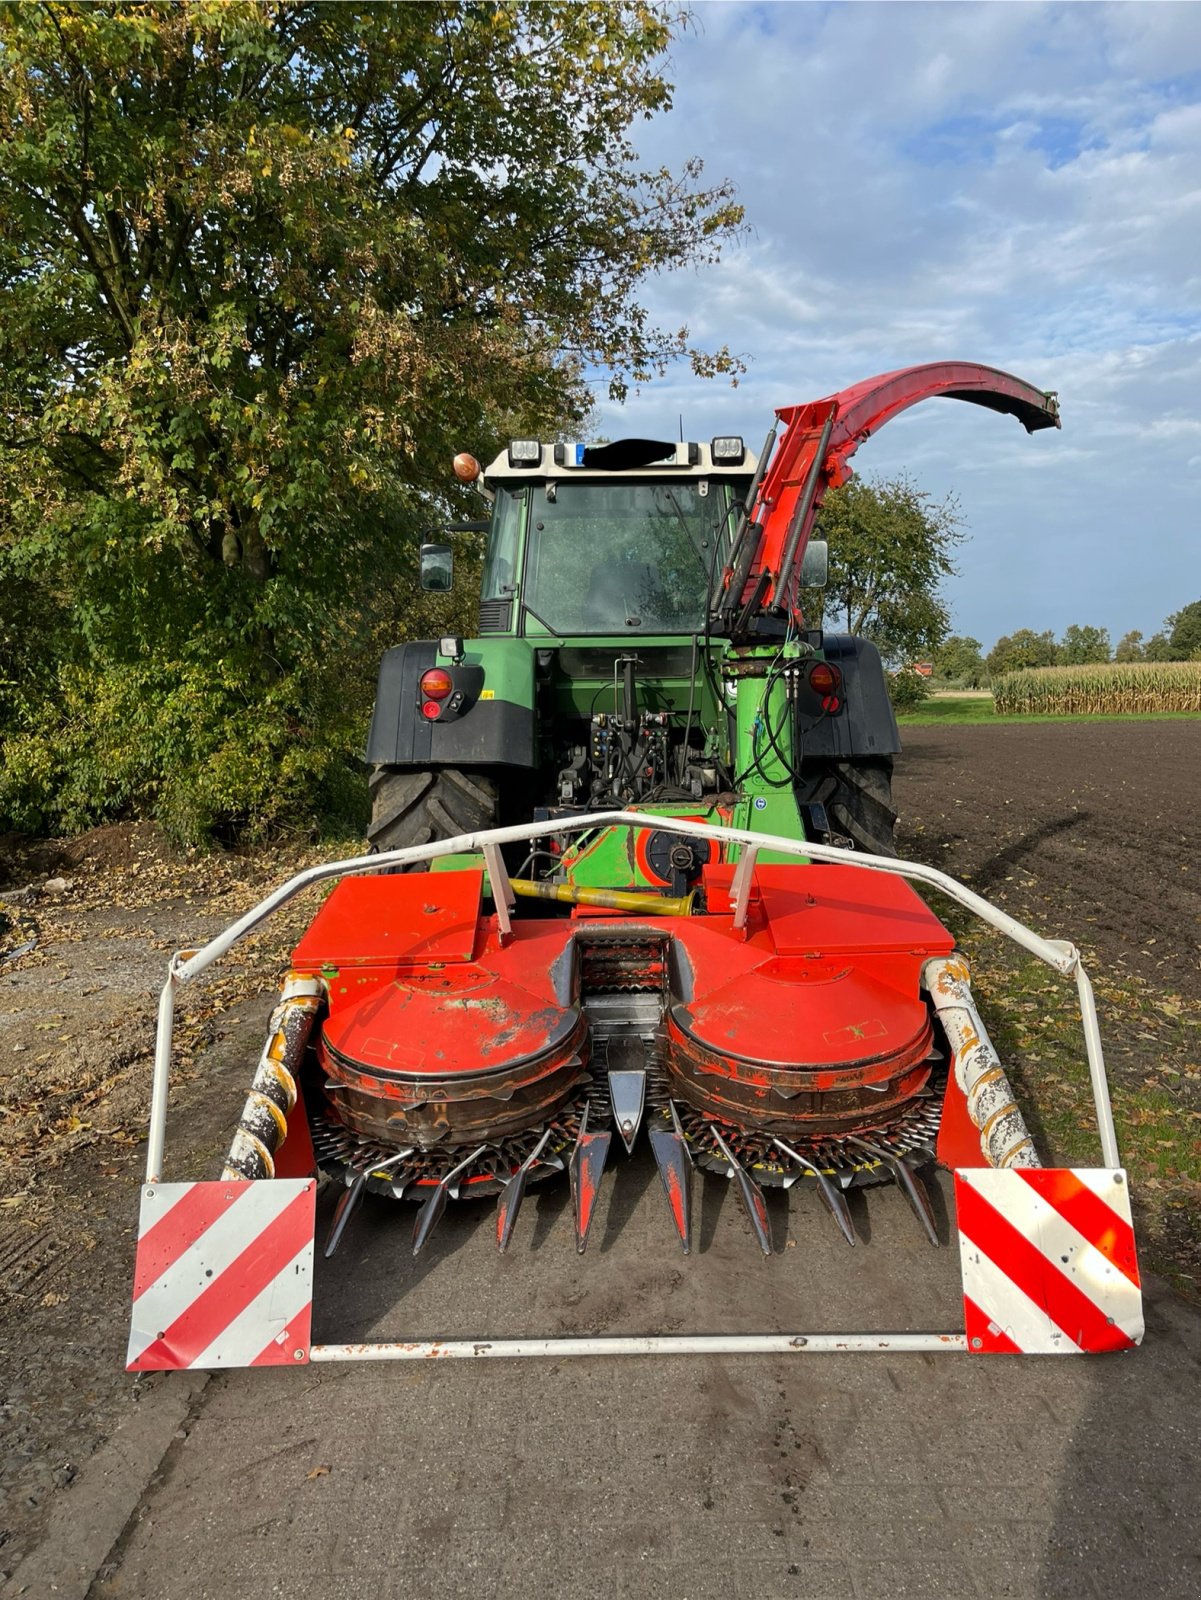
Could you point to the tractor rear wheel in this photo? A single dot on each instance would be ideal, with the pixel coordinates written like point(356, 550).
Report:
point(857, 796)
point(412, 805)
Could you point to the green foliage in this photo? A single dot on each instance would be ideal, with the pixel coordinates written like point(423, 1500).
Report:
point(1081, 646)
point(263, 269)
point(907, 690)
point(1186, 632)
point(1158, 648)
point(1025, 648)
point(890, 549)
point(958, 660)
point(1179, 640)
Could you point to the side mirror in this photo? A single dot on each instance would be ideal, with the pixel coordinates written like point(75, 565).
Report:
point(437, 567)
point(815, 564)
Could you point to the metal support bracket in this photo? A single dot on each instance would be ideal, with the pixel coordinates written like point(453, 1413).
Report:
point(740, 887)
point(502, 889)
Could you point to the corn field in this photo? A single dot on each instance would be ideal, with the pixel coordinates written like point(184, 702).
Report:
point(1104, 688)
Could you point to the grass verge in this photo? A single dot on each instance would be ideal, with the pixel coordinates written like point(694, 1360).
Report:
point(1153, 1055)
point(979, 708)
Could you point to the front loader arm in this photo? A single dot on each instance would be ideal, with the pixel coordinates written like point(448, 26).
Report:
point(818, 441)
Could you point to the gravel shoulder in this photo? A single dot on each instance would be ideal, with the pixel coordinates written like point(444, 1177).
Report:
point(77, 1017)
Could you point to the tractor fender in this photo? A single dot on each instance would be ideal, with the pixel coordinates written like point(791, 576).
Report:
point(866, 725)
point(495, 726)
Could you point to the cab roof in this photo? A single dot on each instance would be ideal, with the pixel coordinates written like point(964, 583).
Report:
point(526, 459)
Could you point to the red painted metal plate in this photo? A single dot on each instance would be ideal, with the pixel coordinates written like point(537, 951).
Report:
point(295, 1157)
point(1048, 1260)
point(834, 910)
point(224, 1275)
point(958, 1136)
point(389, 921)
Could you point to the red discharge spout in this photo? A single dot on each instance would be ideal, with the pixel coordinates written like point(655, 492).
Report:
point(813, 456)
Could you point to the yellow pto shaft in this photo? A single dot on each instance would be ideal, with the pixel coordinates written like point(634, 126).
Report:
point(655, 905)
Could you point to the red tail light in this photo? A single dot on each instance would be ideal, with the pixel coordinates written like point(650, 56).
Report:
point(823, 678)
point(431, 710)
point(436, 684)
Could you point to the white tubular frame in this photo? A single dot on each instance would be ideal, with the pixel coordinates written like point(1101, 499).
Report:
point(1057, 953)
point(1064, 958)
point(649, 1344)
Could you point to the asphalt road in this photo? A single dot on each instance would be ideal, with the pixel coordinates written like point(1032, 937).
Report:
point(817, 1475)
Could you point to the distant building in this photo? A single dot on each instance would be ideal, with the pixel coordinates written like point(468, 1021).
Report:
point(924, 669)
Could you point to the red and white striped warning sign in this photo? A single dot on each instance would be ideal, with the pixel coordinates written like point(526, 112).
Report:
point(1048, 1260)
point(224, 1275)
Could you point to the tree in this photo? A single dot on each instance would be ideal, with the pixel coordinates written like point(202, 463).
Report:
point(1159, 648)
point(263, 269)
point(1025, 648)
point(1186, 632)
point(1082, 645)
point(1130, 647)
point(890, 549)
point(958, 660)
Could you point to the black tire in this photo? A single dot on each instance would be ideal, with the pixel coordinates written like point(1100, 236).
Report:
point(857, 796)
point(415, 806)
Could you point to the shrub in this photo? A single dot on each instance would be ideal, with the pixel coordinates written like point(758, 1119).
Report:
point(907, 689)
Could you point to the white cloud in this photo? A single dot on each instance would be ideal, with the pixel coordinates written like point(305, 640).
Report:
point(1014, 184)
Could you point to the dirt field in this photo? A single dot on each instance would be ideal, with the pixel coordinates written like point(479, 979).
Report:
point(1087, 831)
point(1092, 831)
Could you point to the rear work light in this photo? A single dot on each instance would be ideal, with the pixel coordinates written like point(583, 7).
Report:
point(436, 684)
point(728, 449)
point(823, 678)
point(525, 453)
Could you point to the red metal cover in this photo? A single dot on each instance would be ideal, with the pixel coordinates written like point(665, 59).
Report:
point(815, 1011)
point(386, 921)
point(514, 1004)
point(834, 910)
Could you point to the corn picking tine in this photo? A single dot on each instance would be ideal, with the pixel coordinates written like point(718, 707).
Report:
point(349, 1200)
point(585, 1169)
point(511, 1196)
point(749, 1193)
point(910, 1184)
point(431, 1211)
point(348, 1204)
point(678, 1126)
point(832, 1197)
point(674, 1161)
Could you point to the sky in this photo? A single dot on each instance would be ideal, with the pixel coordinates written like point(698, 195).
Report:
point(1016, 184)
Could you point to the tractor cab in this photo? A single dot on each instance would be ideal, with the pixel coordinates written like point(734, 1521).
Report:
point(620, 540)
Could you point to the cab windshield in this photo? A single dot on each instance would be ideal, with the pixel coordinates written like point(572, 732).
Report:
point(623, 557)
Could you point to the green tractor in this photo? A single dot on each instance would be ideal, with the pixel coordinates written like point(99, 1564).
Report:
point(641, 644)
point(597, 680)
